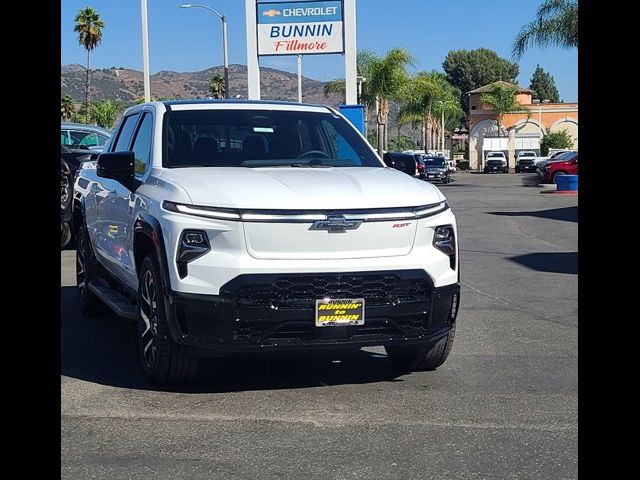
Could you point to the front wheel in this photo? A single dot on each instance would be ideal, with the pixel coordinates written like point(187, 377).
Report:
point(65, 234)
point(422, 358)
point(87, 268)
point(517, 169)
point(163, 361)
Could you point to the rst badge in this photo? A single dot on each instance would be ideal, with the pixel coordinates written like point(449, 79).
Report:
point(335, 224)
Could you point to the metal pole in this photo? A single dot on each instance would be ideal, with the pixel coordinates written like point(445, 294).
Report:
point(350, 55)
point(226, 57)
point(253, 68)
point(145, 51)
point(442, 128)
point(299, 78)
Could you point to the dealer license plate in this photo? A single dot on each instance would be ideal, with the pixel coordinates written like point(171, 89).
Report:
point(339, 312)
point(430, 176)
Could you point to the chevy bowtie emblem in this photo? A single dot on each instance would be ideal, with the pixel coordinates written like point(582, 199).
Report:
point(335, 224)
point(271, 13)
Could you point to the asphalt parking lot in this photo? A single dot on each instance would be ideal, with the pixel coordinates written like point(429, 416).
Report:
point(503, 406)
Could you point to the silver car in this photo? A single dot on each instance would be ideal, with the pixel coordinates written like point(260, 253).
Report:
point(81, 136)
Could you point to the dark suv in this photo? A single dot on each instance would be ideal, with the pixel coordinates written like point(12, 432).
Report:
point(405, 162)
point(436, 169)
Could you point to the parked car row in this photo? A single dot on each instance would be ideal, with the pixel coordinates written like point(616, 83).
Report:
point(433, 168)
point(564, 164)
point(78, 144)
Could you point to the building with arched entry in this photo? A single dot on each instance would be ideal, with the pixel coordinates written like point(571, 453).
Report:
point(519, 131)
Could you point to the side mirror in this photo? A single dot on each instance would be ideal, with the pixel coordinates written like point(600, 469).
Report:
point(118, 166)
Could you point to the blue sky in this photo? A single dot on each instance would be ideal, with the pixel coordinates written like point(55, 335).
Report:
point(191, 39)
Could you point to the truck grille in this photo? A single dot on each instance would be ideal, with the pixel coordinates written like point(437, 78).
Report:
point(303, 291)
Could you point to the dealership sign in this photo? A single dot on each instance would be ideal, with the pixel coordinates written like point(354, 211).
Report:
point(292, 28)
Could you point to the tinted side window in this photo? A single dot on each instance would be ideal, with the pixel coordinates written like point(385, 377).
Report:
point(142, 144)
point(89, 140)
point(126, 132)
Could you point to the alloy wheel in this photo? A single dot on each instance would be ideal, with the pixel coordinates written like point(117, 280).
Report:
point(149, 316)
point(81, 263)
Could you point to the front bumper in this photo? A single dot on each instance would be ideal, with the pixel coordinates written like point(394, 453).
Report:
point(435, 175)
point(527, 168)
point(261, 312)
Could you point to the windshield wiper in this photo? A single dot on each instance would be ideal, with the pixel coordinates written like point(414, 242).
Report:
point(309, 165)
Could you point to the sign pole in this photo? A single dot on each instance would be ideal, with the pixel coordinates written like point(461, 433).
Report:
point(350, 52)
point(145, 50)
point(299, 78)
point(253, 68)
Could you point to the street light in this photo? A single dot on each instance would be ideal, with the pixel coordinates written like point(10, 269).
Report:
point(224, 42)
point(443, 103)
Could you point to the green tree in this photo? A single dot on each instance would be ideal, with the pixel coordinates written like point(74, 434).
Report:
point(556, 24)
point(67, 107)
point(105, 113)
point(216, 86)
point(470, 69)
point(425, 98)
point(560, 139)
point(89, 29)
point(386, 80)
point(502, 99)
point(544, 86)
point(364, 61)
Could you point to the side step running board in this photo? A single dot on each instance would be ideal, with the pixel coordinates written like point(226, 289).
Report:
point(114, 300)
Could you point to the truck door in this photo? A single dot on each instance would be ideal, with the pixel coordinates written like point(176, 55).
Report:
point(112, 229)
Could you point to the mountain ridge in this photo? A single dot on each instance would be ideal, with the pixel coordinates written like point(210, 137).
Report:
point(126, 85)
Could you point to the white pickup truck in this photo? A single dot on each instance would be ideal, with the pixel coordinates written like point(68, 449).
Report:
point(230, 226)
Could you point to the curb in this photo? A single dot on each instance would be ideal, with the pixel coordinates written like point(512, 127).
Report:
point(562, 192)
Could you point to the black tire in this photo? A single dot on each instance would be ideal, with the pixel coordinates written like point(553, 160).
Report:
point(409, 359)
point(87, 269)
point(506, 170)
point(65, 234)
point(164, 362)
point(517, 169)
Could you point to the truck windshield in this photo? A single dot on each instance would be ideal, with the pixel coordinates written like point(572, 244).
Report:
point(262, 138)
point(434, 161)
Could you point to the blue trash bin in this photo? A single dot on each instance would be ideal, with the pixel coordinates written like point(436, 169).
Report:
point(566, 183)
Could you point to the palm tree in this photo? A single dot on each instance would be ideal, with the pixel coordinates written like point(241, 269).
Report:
point(105, 113)
point(386, 79)
point(216, 86)
point(67, 107)
point(89, 28)
point(502, 99)
point(426, 97)
point(363, 62)
point(556, 23)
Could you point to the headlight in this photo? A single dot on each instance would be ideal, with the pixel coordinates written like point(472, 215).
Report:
point(193, 244)
point(444, 239)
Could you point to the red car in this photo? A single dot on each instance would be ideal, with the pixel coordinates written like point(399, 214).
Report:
point(568, 166)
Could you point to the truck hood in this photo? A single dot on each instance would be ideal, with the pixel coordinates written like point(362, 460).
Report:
point(302, 188)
